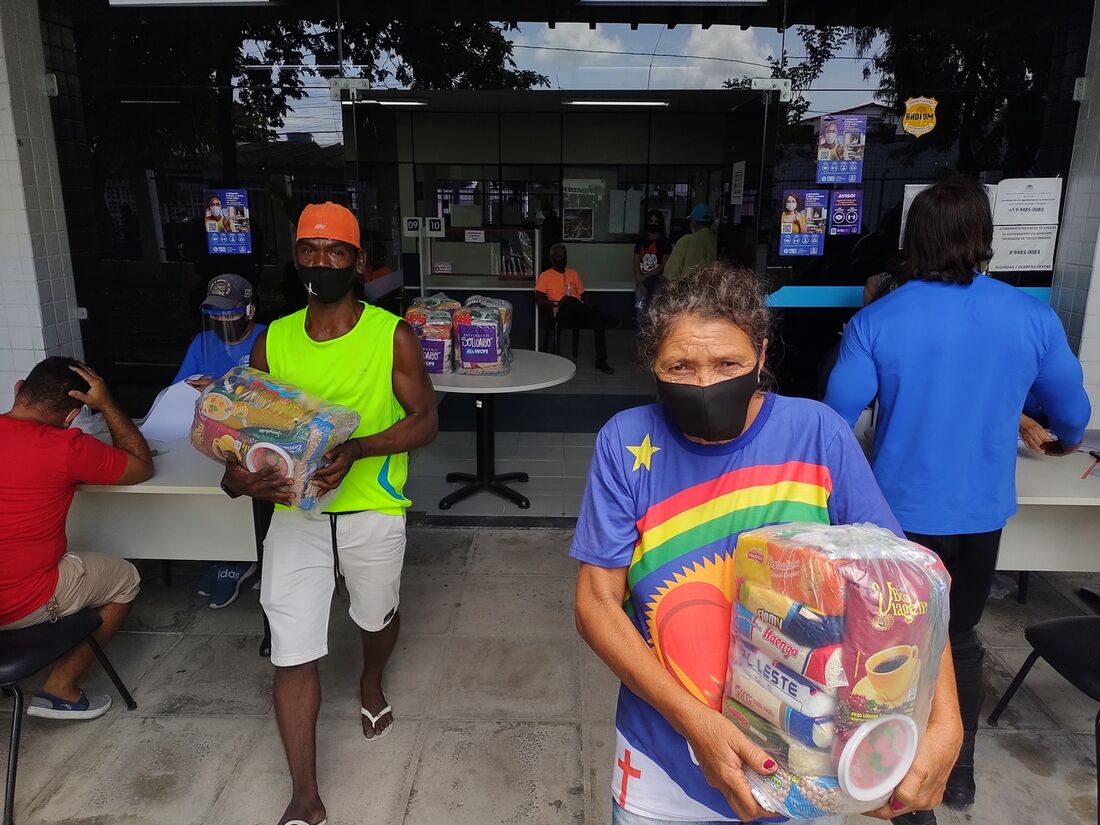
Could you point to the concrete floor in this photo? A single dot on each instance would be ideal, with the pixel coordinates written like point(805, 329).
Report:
point(503, 715)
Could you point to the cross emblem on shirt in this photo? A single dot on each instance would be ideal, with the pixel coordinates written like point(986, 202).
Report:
point(629, 772)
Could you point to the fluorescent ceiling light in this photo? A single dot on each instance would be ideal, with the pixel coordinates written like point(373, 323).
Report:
point(188, 2)
point(152, 102)
point(387, 102)
point(616, 103)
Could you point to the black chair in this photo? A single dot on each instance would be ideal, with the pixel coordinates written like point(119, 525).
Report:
point(1072, 647)
point(25, 652)
point(551, 339)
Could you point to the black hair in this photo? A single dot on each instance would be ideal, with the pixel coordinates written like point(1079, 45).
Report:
point(948, 233)
point(49, 383)
point(799, 201)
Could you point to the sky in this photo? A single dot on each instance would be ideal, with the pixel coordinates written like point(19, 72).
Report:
point(611, 56)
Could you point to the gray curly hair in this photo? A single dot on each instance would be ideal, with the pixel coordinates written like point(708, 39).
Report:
point(723, 291)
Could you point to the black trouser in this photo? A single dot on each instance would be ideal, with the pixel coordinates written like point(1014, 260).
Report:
point(576, 314)
point(971, 559)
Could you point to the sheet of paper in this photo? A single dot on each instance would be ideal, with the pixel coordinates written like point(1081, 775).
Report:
point(1028, 201)
point(1023, 248)
point(171, 415)
point(633, 214)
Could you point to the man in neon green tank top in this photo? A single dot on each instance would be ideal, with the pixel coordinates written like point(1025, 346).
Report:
point(366, 359)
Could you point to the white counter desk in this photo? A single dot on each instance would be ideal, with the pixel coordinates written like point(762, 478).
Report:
point(180, 513)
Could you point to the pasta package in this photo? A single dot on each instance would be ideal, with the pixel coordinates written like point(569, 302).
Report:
point(481, 335)
point(835, 645)
point(433, 329)
point(263, 422)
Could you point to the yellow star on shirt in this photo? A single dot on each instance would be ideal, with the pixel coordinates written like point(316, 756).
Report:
point(643, 454)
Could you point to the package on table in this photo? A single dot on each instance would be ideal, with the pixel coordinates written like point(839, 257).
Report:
point(835, 645)
point(482, 331)
point(433, 329)
point(440, 301)
point(263, 422)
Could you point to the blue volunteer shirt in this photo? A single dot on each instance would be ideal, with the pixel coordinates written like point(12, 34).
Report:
point(670, 512)
point(220, 358)
point(951, 366)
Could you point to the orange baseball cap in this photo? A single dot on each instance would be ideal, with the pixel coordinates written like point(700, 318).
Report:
point(328, 220)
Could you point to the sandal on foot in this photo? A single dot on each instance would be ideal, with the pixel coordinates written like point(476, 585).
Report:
point(374, 719)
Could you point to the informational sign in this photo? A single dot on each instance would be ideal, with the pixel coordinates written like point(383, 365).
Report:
point(476, 345)
point(841, 142)
point(616, 220)
point(228, 226)
point(1028, 201)
point(412, 227)
point(737, 184)
point(442, 268)
point(475, 236)
point(1023, 248)
point(802, 222)
point(577, 223)
point(845, 210)
point(920, 115)
point(434, 227)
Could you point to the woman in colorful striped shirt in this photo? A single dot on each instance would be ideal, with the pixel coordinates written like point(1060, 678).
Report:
point(671, 487)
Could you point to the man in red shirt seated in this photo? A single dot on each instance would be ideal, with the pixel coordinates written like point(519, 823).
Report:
point(561, 289)
point(40, 580)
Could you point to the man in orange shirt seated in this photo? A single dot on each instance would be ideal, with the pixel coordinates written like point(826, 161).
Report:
point(40, 579)
point(561, 289)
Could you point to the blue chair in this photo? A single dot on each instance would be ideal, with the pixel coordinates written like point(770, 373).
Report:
point(25, 652)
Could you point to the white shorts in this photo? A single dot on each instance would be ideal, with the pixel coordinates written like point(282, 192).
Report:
point(299, 577)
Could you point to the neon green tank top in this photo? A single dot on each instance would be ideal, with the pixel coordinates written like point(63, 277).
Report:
point(355, 371)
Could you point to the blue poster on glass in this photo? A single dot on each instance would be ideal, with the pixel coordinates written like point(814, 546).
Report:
point(802, 223)
point(228, 228)
point(844, 212)
point(841, 141)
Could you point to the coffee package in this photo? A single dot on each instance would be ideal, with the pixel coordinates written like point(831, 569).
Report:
point(835, 644)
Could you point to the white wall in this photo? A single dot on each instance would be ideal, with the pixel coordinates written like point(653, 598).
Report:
point(36, 283)
point(1077, 266)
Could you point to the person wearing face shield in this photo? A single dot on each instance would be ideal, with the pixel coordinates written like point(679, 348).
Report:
point(226, 340)
point(228, 333)
point(670, 488)
point(364, 358)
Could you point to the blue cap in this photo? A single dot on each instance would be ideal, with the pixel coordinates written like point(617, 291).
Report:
point(702, 213)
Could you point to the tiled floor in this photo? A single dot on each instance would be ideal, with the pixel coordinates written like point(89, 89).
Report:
point(628, 378)
point(503, 715)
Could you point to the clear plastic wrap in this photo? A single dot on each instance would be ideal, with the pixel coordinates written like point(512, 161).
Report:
point(836, 639)
point(433, 328)
point(264, 422)
point(482, 337)
point(440, 301)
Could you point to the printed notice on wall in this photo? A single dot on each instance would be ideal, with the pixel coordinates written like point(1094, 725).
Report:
point(737, 184)
point(1028, 201)
point(1023, 248)
point(228, 225)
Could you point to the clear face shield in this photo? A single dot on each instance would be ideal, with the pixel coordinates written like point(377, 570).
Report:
point(224, 330)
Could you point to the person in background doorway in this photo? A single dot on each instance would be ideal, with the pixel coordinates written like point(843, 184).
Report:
point(226, 341)
point(367, 360)
point(698, 248)
point(40, 579)
point(951, 355)
point(651, 252)
point(562, 291)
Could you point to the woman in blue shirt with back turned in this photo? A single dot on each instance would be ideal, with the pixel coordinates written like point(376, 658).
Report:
point(951, 355)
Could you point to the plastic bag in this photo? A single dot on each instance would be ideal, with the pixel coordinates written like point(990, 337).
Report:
point(433, 328)
point(439, 301)
point(264, 422)
point(836, 639)
point(481, 333)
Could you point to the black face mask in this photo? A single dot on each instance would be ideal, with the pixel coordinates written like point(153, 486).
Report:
point(231, 331)
point(325, 283)
point(714, 413)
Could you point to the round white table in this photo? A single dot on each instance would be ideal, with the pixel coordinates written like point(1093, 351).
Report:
point(530, 371)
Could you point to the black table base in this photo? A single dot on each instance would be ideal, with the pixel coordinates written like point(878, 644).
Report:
point(486, 478)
